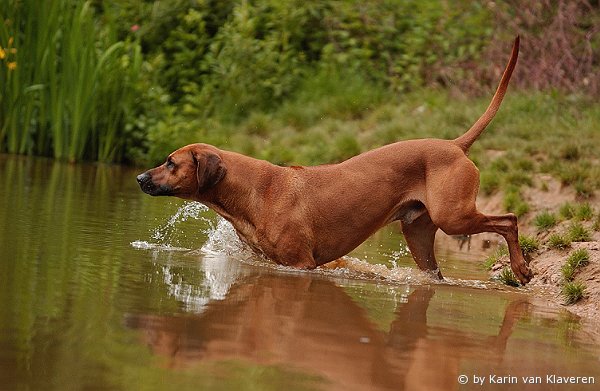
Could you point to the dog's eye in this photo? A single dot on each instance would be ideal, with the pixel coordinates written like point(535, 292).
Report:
point(170, 164)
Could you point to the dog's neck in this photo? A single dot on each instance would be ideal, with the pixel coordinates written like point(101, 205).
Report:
point(238, 198)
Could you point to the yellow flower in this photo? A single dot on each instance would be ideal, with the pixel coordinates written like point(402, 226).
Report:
point(2, 54)
point(12, 65)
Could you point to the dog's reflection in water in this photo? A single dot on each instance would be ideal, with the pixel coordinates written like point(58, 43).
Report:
point(311, 324)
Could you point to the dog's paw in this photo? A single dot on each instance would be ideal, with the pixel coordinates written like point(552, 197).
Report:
point(522, 272)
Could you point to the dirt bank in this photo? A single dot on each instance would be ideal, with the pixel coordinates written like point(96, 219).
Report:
point(547, 262)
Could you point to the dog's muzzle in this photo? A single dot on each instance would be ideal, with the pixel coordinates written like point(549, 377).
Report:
point(149, 187)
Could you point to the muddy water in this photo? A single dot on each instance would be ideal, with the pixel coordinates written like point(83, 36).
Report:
point(99, 290)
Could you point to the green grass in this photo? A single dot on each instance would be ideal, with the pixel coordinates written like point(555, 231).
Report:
point(545, 220)
point(528, 244)
point(558, 241)
point(596, 225)
point(513, 202)
point(73, 85)
point(584, 212)
point(578, 233)
point(567, 211)
point(573, 292)
point(495, 257)
point(507, 277)
point(577, 259)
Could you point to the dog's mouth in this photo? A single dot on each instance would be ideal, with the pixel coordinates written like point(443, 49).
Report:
point(149, 187)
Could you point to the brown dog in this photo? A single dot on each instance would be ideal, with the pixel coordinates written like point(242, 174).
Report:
point(307, 216)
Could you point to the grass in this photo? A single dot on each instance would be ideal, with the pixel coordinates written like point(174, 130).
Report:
point(558, 241)
point(596, 225)
point(567, 211)
point(577, 259)
point(72, 86)
point(584, 212)
point(507, 277)
point(545, 220)
point(513, 202)
point(573, 292)
point(495, 257)
point(578, 233)
point(528, 244)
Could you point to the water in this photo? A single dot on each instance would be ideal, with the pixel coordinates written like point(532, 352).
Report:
point(104, 287)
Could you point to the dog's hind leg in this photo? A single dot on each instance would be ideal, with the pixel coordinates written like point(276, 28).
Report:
point(475, 222)
point(420, 237)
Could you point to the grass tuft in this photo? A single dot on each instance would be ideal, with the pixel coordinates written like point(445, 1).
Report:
point(573, 292)
point(545, 220)
point(567, 211)
point(528, 244)
point(578, 233)
point(513, 202)
point(507, 277)
point(584, 212)
point(577, 259)
point(495, 256)
point(559, 241)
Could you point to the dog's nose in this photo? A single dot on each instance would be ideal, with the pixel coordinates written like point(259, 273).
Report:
point(142, 178)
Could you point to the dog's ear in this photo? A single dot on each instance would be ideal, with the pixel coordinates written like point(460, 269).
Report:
point(210, 169)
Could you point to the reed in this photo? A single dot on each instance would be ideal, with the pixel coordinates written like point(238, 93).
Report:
point(71, 84)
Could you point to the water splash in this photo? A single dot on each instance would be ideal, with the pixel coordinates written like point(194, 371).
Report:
point(166, 233)
point(222, 239)
point(167, 237)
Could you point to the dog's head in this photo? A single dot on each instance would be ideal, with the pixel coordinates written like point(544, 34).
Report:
point(187, 173)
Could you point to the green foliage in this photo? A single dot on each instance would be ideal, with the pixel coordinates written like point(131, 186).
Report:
point(559, 241)
point(70, 91)
point(573, 292)
point(545, 220)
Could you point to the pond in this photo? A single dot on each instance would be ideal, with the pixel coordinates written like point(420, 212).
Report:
point(104, 287)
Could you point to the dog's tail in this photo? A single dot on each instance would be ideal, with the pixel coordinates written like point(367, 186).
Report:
point(466, 140)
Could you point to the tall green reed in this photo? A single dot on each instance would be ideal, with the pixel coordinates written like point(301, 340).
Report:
point(72, 84)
